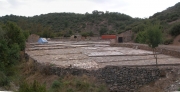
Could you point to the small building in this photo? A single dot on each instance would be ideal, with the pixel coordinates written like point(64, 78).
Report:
point(108, 37)
point(120, 38)
point(42, 41)
point(111, 38)
point(125, 36)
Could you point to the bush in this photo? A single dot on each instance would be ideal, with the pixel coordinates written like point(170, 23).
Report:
point(168, 41)
point(76, 84)
point(3, 79)
point(70, 90)
point(15, 35)
point(82, 85)
point(4, 52)
point(141, 37)
point(9, 54)
point(175, 30)
point(34, 87)
point(26, 34)
point(56, 84)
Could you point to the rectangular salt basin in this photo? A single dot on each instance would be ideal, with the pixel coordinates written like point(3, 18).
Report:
point(106, 53)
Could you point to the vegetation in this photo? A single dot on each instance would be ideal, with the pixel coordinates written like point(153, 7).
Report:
point(13, 35)
point(168, 41)
point(86, 34)
point(34, 87)
point(59, 24)
point(67, 83)
point(76, 84)
point(175, 30)
point(141, 37)
point(53, 83)
point(95, 24)
point(3, 79)
point(154, 37)
point(12, 41)
point(169, 15)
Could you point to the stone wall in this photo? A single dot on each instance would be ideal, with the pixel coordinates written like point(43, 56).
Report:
point(162, 50)
point(117, 78)
point(128, 79)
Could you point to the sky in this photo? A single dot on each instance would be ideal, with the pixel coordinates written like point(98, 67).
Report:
point(133, 8)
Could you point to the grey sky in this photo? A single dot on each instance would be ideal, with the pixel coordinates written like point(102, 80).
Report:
point(134, 8)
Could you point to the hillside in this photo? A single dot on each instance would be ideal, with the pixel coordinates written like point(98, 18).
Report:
point(66, 24)
point(168, 15)
point(169, 21)
point(97, 23)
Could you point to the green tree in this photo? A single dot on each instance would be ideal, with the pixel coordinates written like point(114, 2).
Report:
point(2, 33)
point(11, 39)
point(3, 54)
point(154, 37)
point(26, 34)
point(15, 34)
point(9, 52)
point(141, 37)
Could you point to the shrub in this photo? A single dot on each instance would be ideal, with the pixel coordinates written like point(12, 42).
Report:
point(76, 84)
point(15, 35)
point(9, 54)
point(34, 87)
point(141, 37)
point(70, 90)
point(82, 85)
point(56, 84)
point(175, 30)
point(168, 41)
point(3, 79)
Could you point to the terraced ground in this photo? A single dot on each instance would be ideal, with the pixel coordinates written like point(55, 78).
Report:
point(92, 54)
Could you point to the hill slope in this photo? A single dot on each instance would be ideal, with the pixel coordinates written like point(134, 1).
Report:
point(168, 15)
point(70, 23)
point(97, 23)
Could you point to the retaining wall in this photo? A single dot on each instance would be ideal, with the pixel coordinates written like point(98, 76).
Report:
point(117, 78)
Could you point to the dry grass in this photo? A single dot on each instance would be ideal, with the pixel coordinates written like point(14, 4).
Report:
point(31, 72)
point(83, 83)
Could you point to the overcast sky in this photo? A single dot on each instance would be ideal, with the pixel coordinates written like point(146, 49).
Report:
point(134, 8)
